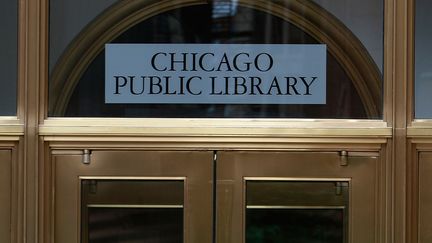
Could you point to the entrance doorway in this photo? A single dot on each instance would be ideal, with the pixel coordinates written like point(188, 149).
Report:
point(222, 196)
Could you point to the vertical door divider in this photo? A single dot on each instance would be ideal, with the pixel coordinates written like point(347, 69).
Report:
point(214, 194)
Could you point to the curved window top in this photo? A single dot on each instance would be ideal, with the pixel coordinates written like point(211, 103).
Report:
point(67, 19)
point(353, 79)
point(8, 57)
point(365, 19)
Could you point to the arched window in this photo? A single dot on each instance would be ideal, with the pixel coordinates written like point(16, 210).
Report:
point(354, 82)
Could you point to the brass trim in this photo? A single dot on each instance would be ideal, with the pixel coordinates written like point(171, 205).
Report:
point(215, 122)
point(410, 62)
point(363, 154)
point(12, 130)
point(223, 132)
point(421, 123)
point(389, 64)
point(132, 206)
point(67, 152)
point(32, 21)
point(144, 178)
point(398, 150)
point(11, 138)
point(292, 207)
point(422, 130)
point(317, 179)
point(341, 42)
point(211, 127)
point(217, 143)
point(10, 120)
point(11, 126)
point(219, 127)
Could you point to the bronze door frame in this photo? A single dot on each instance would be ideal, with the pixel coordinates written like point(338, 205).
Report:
point(236, 168)
point(194, 168)
point(233, 170)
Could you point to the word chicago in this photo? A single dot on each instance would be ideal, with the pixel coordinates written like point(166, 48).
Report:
point(213, 74)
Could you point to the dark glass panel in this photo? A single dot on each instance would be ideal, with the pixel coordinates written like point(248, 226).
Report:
point(198, 24)
point(120, 225)
point(294, 225)
point(148, 192)
point(67, 18)
point(423, 60)
point(297, 211)
point(8, 57)
point(118, 211)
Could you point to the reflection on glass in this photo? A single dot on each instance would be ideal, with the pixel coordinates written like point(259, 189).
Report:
point(8, 57)
point(294, 225)
point(423, 60)
point(365, 19)
point(67, 18)
point(217, 22)
point(117, 211)
point(115, 225)
point(300, 212)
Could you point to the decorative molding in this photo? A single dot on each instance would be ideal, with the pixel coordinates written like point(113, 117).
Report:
point(265, 143)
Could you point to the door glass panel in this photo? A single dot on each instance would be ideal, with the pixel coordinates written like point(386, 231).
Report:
point(293, 211)
point(132, 211)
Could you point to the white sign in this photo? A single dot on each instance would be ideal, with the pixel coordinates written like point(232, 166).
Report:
point(215, 74)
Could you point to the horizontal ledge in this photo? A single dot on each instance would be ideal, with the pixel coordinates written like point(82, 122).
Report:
point(419, 132)
point(124, 178)
point(11, 130)
point(11, 126)
point(425, 123)
point(139, 206)
point(9, 120)
point(214, 127)
point(9, 138)
point(214, 131)
point(212, 143)
point(292, 207)
point(295, 179)
point(215, 122)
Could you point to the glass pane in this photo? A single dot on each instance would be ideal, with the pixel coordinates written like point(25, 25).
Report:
point(8, 57)
point(115, 211)
point(423, 62)
point(80, 91)
point(109, 225)
point(302, 212)
point(294, 225)
point(365, 19)
point(67, 19)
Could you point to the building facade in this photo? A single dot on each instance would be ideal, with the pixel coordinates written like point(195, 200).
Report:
point(215, 121)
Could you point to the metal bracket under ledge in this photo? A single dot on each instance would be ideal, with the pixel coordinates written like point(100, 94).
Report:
point(345, 156)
